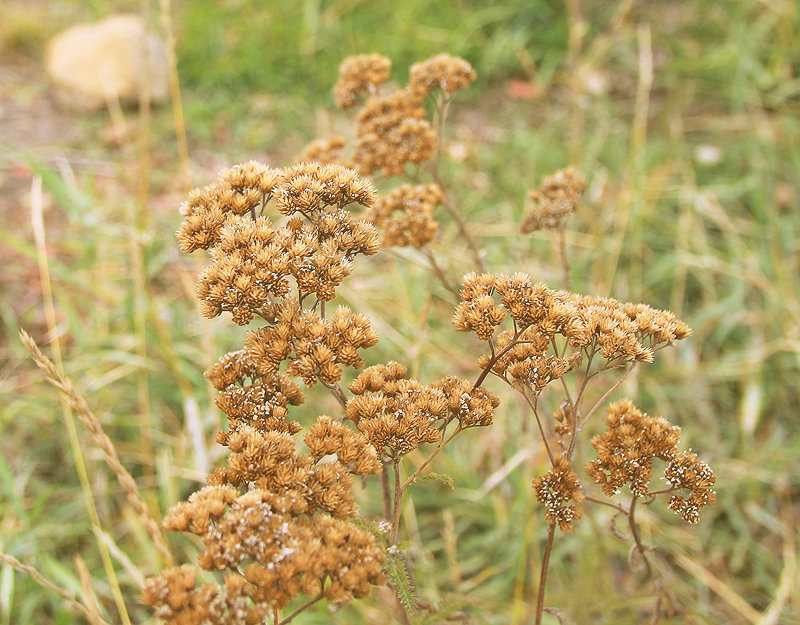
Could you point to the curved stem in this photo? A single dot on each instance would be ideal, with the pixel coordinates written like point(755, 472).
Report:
point(532, 404)
point(548, 548)
point(305, 606)
point(636, 538)
point(606, 503)
point(336, 391)
point(436, 451)
point(604, 397)
point(488, 368)
point(440, 274)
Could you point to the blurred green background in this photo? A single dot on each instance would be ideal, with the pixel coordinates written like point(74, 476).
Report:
point(682, 116)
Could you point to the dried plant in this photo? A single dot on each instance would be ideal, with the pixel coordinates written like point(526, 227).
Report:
point(279, 523)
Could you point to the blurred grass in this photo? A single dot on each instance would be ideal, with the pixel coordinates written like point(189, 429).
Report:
point(692, 205)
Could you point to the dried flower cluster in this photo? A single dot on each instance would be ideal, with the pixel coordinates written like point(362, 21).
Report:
point(360, 74)
point(324, 151)
point(397, 415)
point(270, 553)
point(406, 215)
point(555, 201)
point(273, 521)
point(251, 259)
point(443, 71)
point(686, 472)
point(591, 325)
point(392, 131)
point(555, 490)
point(625, 451)
point(625, 454)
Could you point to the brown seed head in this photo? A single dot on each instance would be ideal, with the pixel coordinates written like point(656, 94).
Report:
point(360, 74)
point(555, 201)
point(625, 451)
point(443, 71)
point(406, 215)
point(555, 490)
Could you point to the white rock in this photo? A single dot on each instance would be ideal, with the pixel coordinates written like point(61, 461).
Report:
point(92, 64)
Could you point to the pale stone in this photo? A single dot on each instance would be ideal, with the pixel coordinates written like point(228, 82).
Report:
point(107, 61)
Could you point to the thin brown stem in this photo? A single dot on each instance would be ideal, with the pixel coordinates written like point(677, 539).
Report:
point(601, 400)
point(637, 539)
point(652, 493)
point(441, 116)
point(386, 490)
point(532, 404)
point(398, 499)
point(562, 250)
point(440, 274)
point(548, 548)
point(337, 392)
point(488, 368)
point(436, 451)
point(320, 595)
point(477, 257)
point(602, 502)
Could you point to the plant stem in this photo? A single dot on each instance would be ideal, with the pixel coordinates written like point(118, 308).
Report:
point(336, 391)
point(562, 249)
point(398, 498)
point(305, 606)
point(414, 475)
point(439, 273)
point(548, 548)
point(477, 257)
point(494, 359)
point(387, 500)
point(636, 538)
point(532, 404)
point(606, 503)
point(603, 398)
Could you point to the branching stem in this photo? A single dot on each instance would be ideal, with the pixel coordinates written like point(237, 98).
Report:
point(548, 548)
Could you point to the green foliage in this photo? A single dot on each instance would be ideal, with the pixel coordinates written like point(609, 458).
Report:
point(295, 48)
point(397, 572)
point(439, 477)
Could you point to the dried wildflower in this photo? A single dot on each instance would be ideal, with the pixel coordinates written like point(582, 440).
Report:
point(604, 326)
point(469, 405)
point(247, 271)
point(252, 260)
point(399, 415)
point(555, 201)
point(555, 489)
point(262, 405)
point(685, 471)
point(236, 192)
point(391, 131)
point(351, 447)
point(526, 362)
point(360, 74)
point(478, 311)
point(406, 215)
point(323, 151)
point(315, 347)
point(443, 71)
point(272, 553)
point(625, 451)
point(310, 187)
